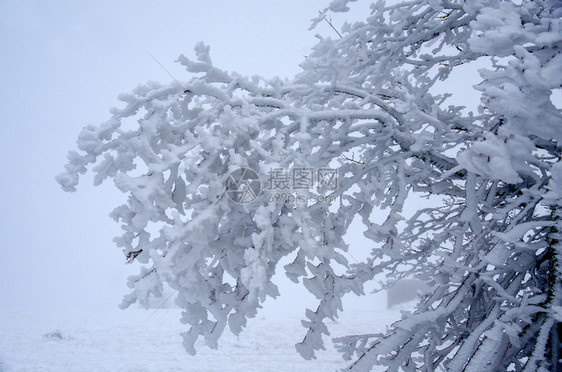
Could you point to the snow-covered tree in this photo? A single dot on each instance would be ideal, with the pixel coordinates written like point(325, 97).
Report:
point(369, 105)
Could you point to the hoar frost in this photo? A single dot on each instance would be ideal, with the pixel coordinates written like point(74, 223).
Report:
point(490, 249)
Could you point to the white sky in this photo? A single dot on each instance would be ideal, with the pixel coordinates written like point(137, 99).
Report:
point(63, 64)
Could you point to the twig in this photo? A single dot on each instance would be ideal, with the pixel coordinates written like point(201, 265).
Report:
point(332, 26)
point(352, 159)
point(185, 90)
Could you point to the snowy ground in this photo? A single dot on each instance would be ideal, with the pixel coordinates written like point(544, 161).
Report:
point(129, 341)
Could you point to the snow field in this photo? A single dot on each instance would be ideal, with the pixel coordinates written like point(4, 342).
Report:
point(131, 341)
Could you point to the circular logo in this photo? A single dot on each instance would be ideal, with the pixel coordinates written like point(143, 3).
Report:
point(243, 185)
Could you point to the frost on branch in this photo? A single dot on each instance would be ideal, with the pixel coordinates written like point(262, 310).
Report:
point(171, 151)
point(489, 247)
